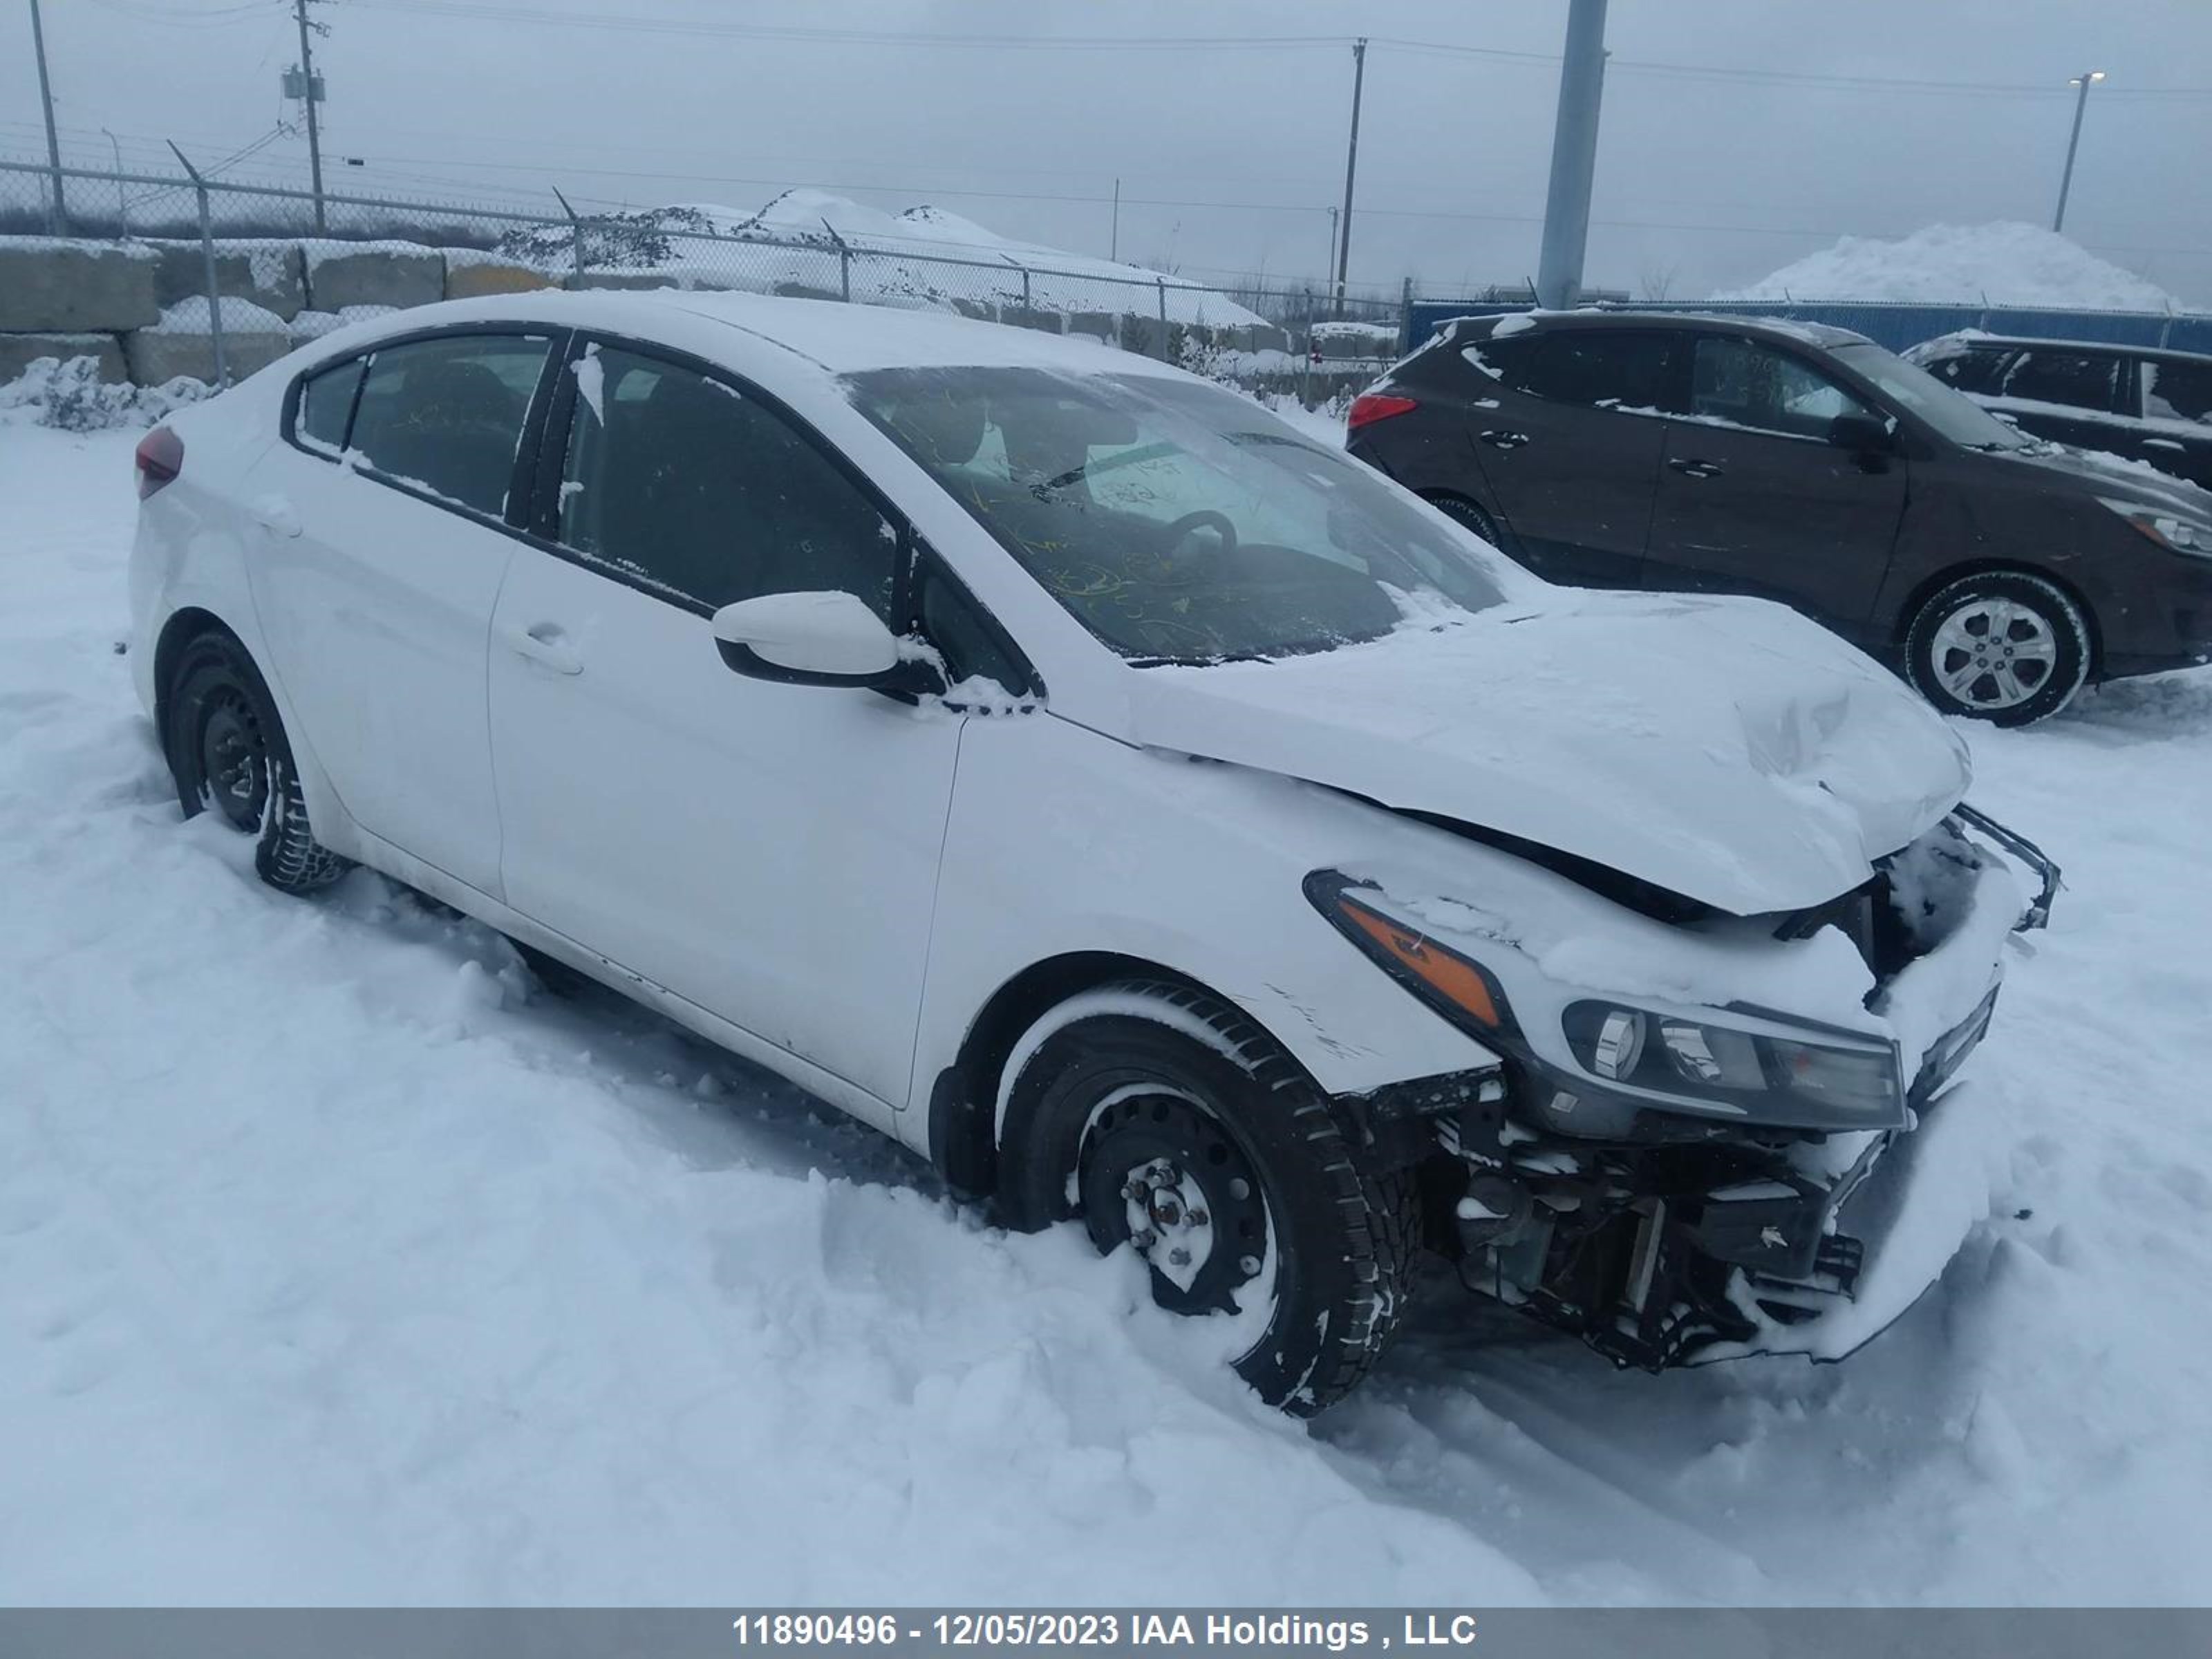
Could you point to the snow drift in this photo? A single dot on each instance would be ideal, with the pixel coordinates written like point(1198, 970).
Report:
point(2004, 263)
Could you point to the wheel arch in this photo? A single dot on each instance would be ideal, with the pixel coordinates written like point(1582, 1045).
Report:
point(1929, 587)
point(963, 1096)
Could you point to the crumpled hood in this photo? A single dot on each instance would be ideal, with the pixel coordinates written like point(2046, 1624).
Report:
point(1725, 748)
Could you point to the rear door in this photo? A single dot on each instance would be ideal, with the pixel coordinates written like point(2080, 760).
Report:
point(1753, 498)
point(1570, 446)
point(385, 524)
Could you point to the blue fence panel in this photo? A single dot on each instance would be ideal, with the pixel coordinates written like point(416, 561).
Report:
point(1896, 324)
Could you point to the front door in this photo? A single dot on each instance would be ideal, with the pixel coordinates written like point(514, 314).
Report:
point(766, 852)
point(1754, 499)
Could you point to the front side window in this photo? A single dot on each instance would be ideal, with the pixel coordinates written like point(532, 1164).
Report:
point(1748, 382)
point(2177, 391)
point(446, 414)
point(686, 485)
point(1178, 522)
point(2077, 380)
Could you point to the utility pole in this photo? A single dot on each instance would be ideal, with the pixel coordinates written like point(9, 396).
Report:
point(58, 210)
point(1351, 167)
point(307, 97)
point(2066, 180)
point(1574, 157)
point(1331, 260)
point(1114, 247)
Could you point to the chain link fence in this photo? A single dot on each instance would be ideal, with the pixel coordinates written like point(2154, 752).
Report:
point(241, 271)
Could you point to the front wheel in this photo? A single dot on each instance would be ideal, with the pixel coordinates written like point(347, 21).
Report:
point(1166, 1121)
point(2002, 645)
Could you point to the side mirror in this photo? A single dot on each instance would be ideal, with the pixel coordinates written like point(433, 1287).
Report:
point(806, 639)
point(1861, 433)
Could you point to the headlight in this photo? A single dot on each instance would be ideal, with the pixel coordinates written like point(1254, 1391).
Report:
point(1768, 1073)
point(2168, 529)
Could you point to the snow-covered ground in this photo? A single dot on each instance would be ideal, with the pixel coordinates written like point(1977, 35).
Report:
point(2003, 264)
point(339, 1263)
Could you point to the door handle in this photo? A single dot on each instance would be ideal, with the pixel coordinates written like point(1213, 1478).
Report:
point(545, 643)
point(1506, 440)
point(276, 515)
point(2173, 444)
point(1696, 469)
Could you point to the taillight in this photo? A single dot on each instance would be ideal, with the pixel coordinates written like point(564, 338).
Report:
point(160, 458)
point(1370, 407)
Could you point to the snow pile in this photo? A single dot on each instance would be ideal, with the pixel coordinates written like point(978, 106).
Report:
point(69, 394)
point(239, 317)
point(2005, 263)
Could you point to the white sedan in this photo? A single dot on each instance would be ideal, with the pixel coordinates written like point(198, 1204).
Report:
point(1156, 818)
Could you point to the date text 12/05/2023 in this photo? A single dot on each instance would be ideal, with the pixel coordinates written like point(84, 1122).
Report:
point(1332, 1633)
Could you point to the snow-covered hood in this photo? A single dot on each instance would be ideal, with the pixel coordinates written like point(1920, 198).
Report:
point(1725, 749)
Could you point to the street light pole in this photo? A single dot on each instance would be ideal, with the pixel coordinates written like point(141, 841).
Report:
point(59, 210)
point(1574, 157)
point(2072, 143)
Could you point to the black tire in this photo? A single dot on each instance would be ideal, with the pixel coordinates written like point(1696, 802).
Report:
point(1467, 513)
point(227, 751)
point(1161, 1076)
point(2000, 646)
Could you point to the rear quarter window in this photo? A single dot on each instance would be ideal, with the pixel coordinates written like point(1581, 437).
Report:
point(326, 406)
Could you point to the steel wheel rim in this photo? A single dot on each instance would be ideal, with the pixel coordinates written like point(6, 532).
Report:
point(234, 759)
point(1994, 653)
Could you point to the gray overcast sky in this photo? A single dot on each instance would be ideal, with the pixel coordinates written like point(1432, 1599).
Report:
point(1229, 155)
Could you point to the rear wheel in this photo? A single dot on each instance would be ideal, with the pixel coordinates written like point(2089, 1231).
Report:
point(2001, 644)
point(1166, 1121)
point(1467, 513)
point(228, 753)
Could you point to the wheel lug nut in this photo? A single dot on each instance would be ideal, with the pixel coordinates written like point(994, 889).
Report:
point(1144, 1240)
point(1196, 1218)
point(1248, 1264)
point(1133, 1191)
point(1179, 1258)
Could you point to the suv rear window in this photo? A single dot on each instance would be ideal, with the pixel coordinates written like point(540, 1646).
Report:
point(2078, 379)
point(1972, 370)
point(1597, 368)
point(2177, 391)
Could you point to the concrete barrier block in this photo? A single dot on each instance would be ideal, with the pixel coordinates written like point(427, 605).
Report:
point(470, 275)
point(1149, 335)
point(158, 355)
point(267, 273)
point(1045, 322)
point(342, 274)
point(627, 280)
point(19, 351)
point(1098, 325)
point(49, 286)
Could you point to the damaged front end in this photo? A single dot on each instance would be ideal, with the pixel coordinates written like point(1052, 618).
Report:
point(1676, 1179)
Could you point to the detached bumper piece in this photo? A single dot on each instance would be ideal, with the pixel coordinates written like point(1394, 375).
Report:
point(2047, 873)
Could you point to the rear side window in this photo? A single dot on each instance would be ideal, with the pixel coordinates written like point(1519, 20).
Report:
point(326, 405)
point(1603, 369)
point(1968, 371)
point(2079, 380)
point(446, 415)
point(2177, 391)
point(688, 486)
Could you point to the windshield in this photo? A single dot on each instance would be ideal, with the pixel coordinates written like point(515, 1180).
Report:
point(1178, 522)
point(1956, 416)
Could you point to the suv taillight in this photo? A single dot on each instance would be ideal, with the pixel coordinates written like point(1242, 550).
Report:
point(1370, 407)
point(160, 456)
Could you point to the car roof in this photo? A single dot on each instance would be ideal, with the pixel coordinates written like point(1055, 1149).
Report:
point(1698, 322)
point(1973, 340)
point(832, 335)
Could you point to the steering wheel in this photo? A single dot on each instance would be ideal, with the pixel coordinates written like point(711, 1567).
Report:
point(1205, 518)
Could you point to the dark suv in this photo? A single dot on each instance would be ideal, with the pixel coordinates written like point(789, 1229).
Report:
point(1619, 449)
point(2154, 406)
